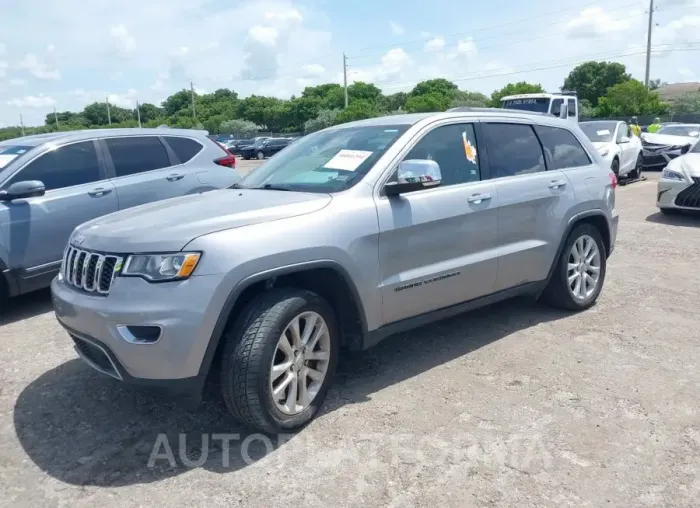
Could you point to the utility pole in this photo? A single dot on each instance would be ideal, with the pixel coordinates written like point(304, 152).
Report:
point(345, 78)
point(55, 117)
point(109, 116)
point(651, 24)
point(21, 122)
point(194, 112)
point(138, 113)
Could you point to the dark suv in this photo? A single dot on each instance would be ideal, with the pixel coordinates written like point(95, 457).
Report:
point(265, 148)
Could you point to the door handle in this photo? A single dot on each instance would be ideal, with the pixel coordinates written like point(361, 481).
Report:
point(100, 191)
point(174, 177)
point(555, 184)
point(478, 198)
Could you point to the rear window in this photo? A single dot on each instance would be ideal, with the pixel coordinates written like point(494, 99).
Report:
point(132, 155)
point(184, 148)
point(563, 148)
point(8, 153)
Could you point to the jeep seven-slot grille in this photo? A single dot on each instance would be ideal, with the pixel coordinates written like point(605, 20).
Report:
point(89, 271)
point(690, 196)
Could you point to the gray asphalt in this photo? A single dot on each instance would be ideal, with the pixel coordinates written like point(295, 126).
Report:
point(515, 405)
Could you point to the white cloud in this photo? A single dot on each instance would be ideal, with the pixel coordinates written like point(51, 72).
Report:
point(17, 82)
point(3, 50)
point(686, 73)
point(32, 101)
point(284, 15)
point(124, 41)
point(263, 34)
point(311, 70)
point(50, 48)
point(396, 29)
point(596, 22)
point(680, 31)
point(37, 68)
point(467, 47)
point(435, 44)
point(3, 68)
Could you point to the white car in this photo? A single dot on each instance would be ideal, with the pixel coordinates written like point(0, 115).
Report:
point(617, 145)
point(679, 185)
point(669, 142)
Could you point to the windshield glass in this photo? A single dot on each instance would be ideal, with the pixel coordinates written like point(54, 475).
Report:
point(326, 161)
point(696, 148)
point(680, 130)
point(8, 153)
point(539, 105)
point(598, 132)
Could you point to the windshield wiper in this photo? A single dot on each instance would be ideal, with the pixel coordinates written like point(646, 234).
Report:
point(237, 186)
point(269, 186)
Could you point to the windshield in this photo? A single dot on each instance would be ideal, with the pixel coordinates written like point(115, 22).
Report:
point(696, 148)
point(680, 130)
point(8, 153)
point(598, 132)
point(326, 161)
point(539, 105)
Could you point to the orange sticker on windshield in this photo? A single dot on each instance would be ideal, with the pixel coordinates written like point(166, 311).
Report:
point(469, 149)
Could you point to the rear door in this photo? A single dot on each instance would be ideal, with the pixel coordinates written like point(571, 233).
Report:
point(533, 202)
point(437, 246)
point(628, 150)
point(144, 170)
point(36, 230)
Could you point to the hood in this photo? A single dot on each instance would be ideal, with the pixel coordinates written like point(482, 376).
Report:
point(171, 224)
point(667, 139)
point(601, 144)
point(688, 163)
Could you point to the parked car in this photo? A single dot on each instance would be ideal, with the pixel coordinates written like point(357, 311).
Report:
point(234, 146)
point(621, 149)
point(349, 235)
point(671, 141)
point(50, 183)
point(679, 186)
point(265, 148)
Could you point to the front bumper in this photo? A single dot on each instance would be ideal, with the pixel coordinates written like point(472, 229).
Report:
point(679, 195)
point(659, 158)
point(97, 326)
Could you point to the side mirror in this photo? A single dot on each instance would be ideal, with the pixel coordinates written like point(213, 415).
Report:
point(23, 190)
point(414, 174)
point(623, 140)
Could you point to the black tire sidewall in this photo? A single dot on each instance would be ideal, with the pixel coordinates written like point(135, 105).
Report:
point(579, 231)
point(615, 167)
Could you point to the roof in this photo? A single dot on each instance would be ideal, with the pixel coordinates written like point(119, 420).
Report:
point(39, 139)
point(674, 90)
point(537, 96)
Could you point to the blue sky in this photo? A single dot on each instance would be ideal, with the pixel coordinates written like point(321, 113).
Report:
point(68, 53)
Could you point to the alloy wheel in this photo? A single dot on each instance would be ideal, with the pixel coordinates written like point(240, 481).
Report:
point(583, 267)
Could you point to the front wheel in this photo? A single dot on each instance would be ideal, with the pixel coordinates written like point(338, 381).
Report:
point(615, 167)
point(580, 270)
point(279, 360)
point(638, 167)
point(260, 156)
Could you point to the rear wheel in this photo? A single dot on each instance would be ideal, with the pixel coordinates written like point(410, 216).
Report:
point(279, 360)
point(580, 271)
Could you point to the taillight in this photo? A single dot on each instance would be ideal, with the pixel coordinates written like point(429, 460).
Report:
point(613, 180)
point(228, 160)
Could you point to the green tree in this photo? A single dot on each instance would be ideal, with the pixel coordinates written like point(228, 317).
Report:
point(240, 128)
point(177, 102)
point(591, 80)
point(586, 110)
point(149, 112)
point(462, 98)
point(366, 92)
point(521, 87)
point(357, 110)
point(325, 118)
point(687, 103)
point(329, 95)
point(438, 86)
point(628, 99)
point(433, 101)
point(395, 101)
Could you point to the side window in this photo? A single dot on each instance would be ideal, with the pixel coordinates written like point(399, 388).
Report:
point(623, 132)
point(132, 155)
point(453, 147)
point(563, 148)
point(184, 148)
point(66, 166)
point(513, 149)
point(571, 107)
point(556, 106)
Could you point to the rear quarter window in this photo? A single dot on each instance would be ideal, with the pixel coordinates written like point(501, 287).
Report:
point(184, 148)
point(562, 148)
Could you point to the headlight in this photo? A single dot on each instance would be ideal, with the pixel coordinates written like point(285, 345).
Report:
point(603, 151)
point(669, 174)
point(161, 267)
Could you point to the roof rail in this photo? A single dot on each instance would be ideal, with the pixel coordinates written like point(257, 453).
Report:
point(467, 109)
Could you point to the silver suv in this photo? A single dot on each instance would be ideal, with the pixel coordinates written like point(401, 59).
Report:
point(347, 236)
point(51, 183)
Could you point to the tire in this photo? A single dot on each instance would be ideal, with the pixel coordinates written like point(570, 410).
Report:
point(260, 156)
point(638, 167)
point(253, 344)
point(615, 167)
point(558, 293)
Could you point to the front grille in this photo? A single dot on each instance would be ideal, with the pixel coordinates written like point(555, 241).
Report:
point(690, 196)
point(90, 271)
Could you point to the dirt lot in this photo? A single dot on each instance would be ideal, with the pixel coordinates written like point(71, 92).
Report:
point(516, 405)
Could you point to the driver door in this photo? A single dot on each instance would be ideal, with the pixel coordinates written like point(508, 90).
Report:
point(628, 150)
point(437, 246)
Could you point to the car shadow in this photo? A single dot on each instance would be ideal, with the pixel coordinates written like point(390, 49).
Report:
point(25, 306)
point(685, 218)
point(84, 428)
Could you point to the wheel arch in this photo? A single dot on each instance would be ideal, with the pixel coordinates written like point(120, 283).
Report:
point(328, 278)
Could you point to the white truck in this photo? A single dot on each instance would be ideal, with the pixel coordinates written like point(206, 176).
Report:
point(561, 104)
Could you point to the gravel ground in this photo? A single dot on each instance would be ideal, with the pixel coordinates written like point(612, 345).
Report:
point(515, 405)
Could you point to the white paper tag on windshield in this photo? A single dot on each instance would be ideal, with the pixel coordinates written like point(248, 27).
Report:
point(348, 160)
point(604, 132)
point(694, 134)
point(6, 159)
